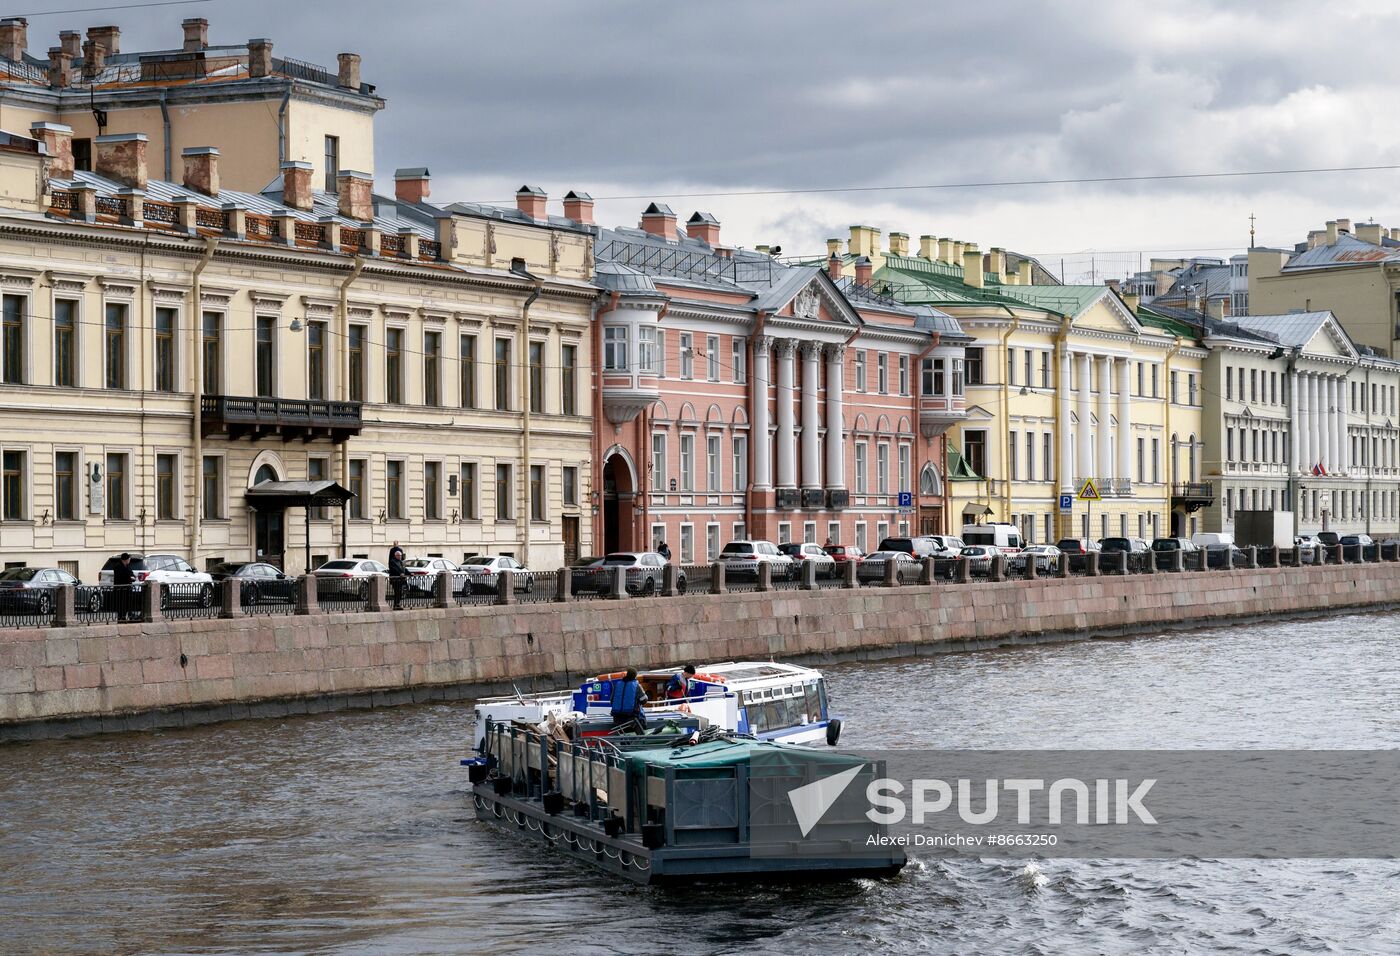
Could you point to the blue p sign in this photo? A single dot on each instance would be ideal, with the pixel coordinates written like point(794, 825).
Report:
point(1066, 502)
point(906, 499)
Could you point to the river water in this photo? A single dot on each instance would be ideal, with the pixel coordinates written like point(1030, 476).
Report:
point(349, 833)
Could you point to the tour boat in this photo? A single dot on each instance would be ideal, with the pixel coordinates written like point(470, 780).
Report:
point(782, 703)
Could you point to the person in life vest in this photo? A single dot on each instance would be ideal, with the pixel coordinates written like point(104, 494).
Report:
point(627, 700)
point(678, 687)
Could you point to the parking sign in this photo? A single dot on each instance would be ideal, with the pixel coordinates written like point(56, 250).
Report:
point(906, 499)
point(1066, 502)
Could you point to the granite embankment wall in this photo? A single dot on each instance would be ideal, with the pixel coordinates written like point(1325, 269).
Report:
point(88, 679)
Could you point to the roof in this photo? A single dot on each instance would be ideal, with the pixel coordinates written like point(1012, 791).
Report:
point(1064, 299)
point(1206, 279)
point(1346, 251)
point(1292, 329)
point(277, 495)
point(616, 277)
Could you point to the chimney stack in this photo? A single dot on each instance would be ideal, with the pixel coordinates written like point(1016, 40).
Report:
point(296, 185)
point(578, 207)
point(1370, 232)
point(1216, 308)
point(704, 227)
point(58, 143)
point(865, 270)
point(110, 37)
point(928, 247)
point(14, 38)
point(658, 220)
point(973, 272)
point(531, 200)
point(1331, 232)
point(945, 251)
point(259, 57)
point(1395, 233)
point(998, 263)
point(94, 58)
point(202, 169)
point(1115, 284)
point(71, 42)
point(833, 248)
point(349, 78)
point(1132, 300)
point(1344, 225)
point(355, 191)
point(411, 184)
point(60, 68)
point(865, 241)
point(196, 34)
point(899, 244)
point(1023, 269)
point(122, 156)
point(833, 264)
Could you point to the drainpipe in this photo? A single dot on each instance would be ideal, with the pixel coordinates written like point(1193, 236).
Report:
point(597, 362)
point(343, 389)
point(282, 126)
point(165, 133)
point(1006, 414)
point(196, 323)
point(525, 408)
point(1062, 425)
point(1167, 431)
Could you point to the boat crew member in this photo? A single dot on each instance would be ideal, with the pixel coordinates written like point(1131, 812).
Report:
point(627, 700)
point(678, 687)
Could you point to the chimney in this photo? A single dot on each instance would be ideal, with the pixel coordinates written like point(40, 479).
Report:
point(355, 191)
point(411, 184)
point(945, 251)
point(1370, 232)
point(531, 201)
point(959, 247)
point(899, 244)
point(1132, 300)
point(865, 270)
point(865, 241)
point(296, 185)
point(1023, 269)
point(58, 143)
point(122, 156)
point(659, 220)
point(94, 59)
point(833, 248)
point(704, 227)
point(1216, 308)
point(14, 38)
point(1331, 232)
point(71, 42)
point(1315, 238)
point(578, 207)
point(928, 247)
point(349, 78)
point(60, 68)
point(109, 37)
point(202, 169)
point(196, 34)
point(1395, 233)
point(833, 265)
point(973, 272)
point(1115, 284)
point(998, 263)
point(259, 57)
point(1344, 225)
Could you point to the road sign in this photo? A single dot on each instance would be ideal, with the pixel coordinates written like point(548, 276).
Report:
point(1089, 491)
point(906, 499)
point(1066, 502)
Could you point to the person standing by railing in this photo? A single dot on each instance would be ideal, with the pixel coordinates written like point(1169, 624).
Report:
point(123, 591)
point(397, 573)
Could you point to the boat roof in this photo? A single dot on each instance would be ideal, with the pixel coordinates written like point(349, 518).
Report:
point(726, 753)
point(733, 671)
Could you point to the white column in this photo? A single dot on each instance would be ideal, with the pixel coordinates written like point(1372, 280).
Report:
point(835, 437)
point(811, 415)
point(1343, 439)
point(1125, 424)
point(1329, 423)
point(1066, 463)
point(759, 441)
point(1104, 445)
point(787, 434)
point(1295, 462)
point(1314, 421)
point(1086, 443)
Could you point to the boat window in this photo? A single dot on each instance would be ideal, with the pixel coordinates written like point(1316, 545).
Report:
point(813, 702)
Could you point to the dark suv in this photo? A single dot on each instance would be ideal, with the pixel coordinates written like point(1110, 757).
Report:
point(919, 546)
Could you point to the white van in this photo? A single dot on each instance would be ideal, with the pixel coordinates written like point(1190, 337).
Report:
point(995, 534)
point(1213, 539)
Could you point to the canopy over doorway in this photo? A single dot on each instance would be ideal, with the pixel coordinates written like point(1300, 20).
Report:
point(281, 495)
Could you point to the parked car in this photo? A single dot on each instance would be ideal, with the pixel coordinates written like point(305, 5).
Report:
point(259, 582)
point(947, 545)
point(186, 585)
point(997, 534)
point(584, 577)
point(742, 558)
point(1163, 548)
point(422, 574)
point(644, 572)
point(1130, 545)
point(1045, 556)
point(1329, 539)
point(353, 575)
point(1078, 549)
point(1355, 546)
point(919, 546)
point(813, 553)
point(1307, 544)
point(979, 558)
point(484, 570)
point(872, 569)
point(31, 591)
point(843, 554)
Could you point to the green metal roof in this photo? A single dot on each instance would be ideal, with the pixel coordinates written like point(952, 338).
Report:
point(1064, 299)
point(958, 468)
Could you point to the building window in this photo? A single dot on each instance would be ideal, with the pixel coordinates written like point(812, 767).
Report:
point(116, 487)
point(1047, 472)
point(12, 339)
point(65, 486)
point(316, 360)
point(975, 450)
point(65, 343)
point(646, 349)
point(1156, 460)
point(1190, 389)
point(536, 356)
point(1141, 459)
point(357, 487)
point(860, 370)
point(740, 364)
point(661, 352)
point(332, 162)
point(687, 355)
point(712, 545)
point(568, 379)
point(503, 375)
point(82, 154)
point(316, 471)
point(904, 484)
point(357, 363)
point(432, 369)
point(860, 535)
point(1156, 393)
point(833, 532)
point(393, 489)
point(687, 463)
point(904, 375)
point(714, 481)
point(784, 532)
point(115, 341)
point(1011, 367)
point(712, 358)
point(266, 356)
point(1011, 462)
point(466, 356)
point(469, 491)
point(14, 476)
point(165, 487)
point(537, 492)
point(741, 463)
point(393, 366)
point(432, 491)
point(1044, 369)
point(658, 462)
point(882, 468)
point(615, 348)
point(882, 373)
point(931, 377)
point(1171, 389)
point(972, 366)
point(1141, 380)
point(1030, 456)
point(165, 350)
point(212, 487)
point(687, 544)
point(861, 467)
point(570, 483)
point(505, 509)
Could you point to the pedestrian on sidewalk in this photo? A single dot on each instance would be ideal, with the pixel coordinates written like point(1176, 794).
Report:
point(397, 573)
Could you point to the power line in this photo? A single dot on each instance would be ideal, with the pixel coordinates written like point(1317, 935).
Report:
point(118, 6)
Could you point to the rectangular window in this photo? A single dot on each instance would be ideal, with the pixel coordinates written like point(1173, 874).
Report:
point(432, 491)
point(1011, 367)
point(12, 339)
point(1012, 470)
point(1030, 456)
point(1030, 356)
point(740, 364)
point(266, 356)
point(646, 348)
point(115, 345)
point(568, 379)
point(975, 450)
point(82, 154)
point(165, 487)
point(469, 491)
point(316, 470)
point(1141, 459)
point(503, 375)
point(332, 163)
point(1142, 371)
point(1254, 387)
point(658, 462)
point(860, 535)
point(861, 468)
point(904, 375)
point(1229, 444)
point(537, 491)
point(536, 356)
point(466, 357)
point(687, 355)
point(882, 468)
point(712, 545)
point(357, 488)
point(1190, 389)
point(316, 360)
point(860, 370)
point(904, 484)
point(972, 366)
point(393, 366)
point(741, 464)
point(65, 486)
point(1156, 460)
point(13, 486)
point(65, 343)
point(882, 373)
point(931, 377)
point(570, 486)
point(712, 358)
point(393, 488)
point(1044, 369)
point(714, 479)
point(432, 369)
point(687, 463)
point(615, 348)
point(1156, 392)
point(356, 349)
point(212, 488)
point(1229, 384)
point(165, 350)
point(687, 544)
point(505, 493)
point(957, 377)
point(116, 488)
point(1171, 389)
point(1047, 472)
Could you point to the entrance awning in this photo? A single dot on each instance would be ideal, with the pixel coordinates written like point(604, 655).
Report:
point(976, 510)
point(280, 495)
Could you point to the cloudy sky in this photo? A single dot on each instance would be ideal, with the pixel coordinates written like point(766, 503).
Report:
point(627, 98)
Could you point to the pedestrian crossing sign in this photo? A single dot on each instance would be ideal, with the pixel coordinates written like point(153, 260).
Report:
point(1089, 492)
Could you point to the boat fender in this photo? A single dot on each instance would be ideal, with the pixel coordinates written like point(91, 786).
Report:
point(502, 785)
point(833, 731)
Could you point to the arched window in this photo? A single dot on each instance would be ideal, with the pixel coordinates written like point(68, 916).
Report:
point(930, 481)
point(265, 473)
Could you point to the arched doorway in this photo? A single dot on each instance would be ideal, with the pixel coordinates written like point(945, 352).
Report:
point(269, 530)
point(619, 490)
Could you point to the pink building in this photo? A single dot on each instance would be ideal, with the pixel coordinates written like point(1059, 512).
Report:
point(742, 397)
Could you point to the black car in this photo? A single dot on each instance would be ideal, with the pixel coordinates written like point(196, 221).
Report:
point(260, 583)
point(31, 591)
point(917, 547)
point(585, 577)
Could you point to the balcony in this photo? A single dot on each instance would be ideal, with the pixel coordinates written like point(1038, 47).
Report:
point(247, 417)
point(626, 394)
point(939, 413)
point(1192, 496)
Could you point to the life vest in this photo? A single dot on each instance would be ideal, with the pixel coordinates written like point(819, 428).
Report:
point(678, 691)
point(625, 696)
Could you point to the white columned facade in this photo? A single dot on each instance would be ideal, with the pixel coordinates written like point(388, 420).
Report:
point(1104, 444)
point(1066, 455)
point(1329, 422)
point(787, 433)
point(1314, 422)
point(1085, 438)
point(1125, 424)
point(1295, 451)
point(761, 442)
point(811, 415)
point(1343, 440)
point(835, 433)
